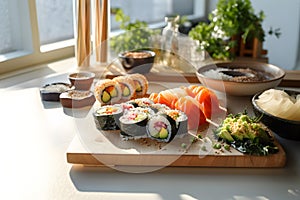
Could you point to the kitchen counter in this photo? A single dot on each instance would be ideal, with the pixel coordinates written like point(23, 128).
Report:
point(35, 138)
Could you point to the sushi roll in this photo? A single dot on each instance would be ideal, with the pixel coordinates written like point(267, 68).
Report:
point(141, 102)
point(141, 84)
point(133, 123)
point(161, 127)
point(180, 119)
point(107, 92)
point(127, 106)
point(107, 117)
point(127, 87)
point(158, 107)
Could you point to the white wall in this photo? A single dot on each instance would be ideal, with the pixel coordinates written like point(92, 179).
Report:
point(283, 14)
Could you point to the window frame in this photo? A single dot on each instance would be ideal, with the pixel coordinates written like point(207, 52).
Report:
point(31, 53)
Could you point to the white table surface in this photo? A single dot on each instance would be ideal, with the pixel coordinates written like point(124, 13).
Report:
point(34, 141)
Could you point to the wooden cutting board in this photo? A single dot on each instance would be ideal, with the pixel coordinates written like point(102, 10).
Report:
point(93, 147)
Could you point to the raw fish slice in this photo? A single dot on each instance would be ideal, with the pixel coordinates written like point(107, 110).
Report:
point(178, 92)
point(168, 96)
point(153, 97)
point(162, 98)
point(196, 89)
point(192, 109)
point(209, 102)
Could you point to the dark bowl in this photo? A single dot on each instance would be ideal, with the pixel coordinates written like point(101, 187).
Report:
point(51, 92)
point(82, 80)
point(137, 61)
point(288, 129)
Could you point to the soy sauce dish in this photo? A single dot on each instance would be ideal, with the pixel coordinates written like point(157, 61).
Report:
point(51, 92)
point(280, 111)
point(137, 61)
point(82, 80)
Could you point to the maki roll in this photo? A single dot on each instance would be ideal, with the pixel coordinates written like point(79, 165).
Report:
point(127, 87)
point(141, 102)
point(158, 107)
point(107, 117)
point(133, 123)
point(127, 106)
point(161, 128)
point(180, 119)
point(107, 92)
point(141, 84)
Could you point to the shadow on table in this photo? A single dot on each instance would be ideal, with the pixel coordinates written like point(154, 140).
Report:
point(179, 183)
point(51, 104)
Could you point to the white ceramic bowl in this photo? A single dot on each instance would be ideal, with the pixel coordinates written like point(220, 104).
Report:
point(273, 76)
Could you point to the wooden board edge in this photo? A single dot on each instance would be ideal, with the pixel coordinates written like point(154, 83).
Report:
point(243, 161)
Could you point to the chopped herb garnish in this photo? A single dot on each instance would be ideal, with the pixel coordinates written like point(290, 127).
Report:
point(217, 146)
point(184, 145)
point(246, 134)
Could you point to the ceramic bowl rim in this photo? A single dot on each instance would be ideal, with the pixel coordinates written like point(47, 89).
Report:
point(153, 54)
point(208, 66)
point(88, 75)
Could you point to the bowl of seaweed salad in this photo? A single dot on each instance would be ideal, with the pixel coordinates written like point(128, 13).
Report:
point(246, 134)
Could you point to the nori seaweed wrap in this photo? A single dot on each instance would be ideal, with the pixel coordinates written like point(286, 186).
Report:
point(157, 107)
point(107, 117)
point(161, 127)
point(133, 123)
point(181, 120)
point(141, 102)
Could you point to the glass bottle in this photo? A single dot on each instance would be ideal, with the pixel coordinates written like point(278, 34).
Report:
point(170, 34)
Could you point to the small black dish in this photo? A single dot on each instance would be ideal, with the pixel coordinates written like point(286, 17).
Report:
point(51, 92)
point(137, 61)
point(288, 129)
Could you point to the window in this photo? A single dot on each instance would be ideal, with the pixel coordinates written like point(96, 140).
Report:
point(38, 31)
point(6, 40)
point(13, 34)
point(55, 20)
point(34, 32)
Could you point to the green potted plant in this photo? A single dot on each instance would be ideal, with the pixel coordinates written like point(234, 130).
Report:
point(137, 35)
point(232, 22)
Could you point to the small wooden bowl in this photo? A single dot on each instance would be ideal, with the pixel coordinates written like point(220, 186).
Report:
point(77, 99)
point(82, 80)
point(137, 61)
point(51, 92)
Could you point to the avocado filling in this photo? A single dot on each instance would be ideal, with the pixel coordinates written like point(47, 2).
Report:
point(112, 91)
point(161, 129)
point(125, 90)
point(109, 93)
point(138, 86)
point(105, 97)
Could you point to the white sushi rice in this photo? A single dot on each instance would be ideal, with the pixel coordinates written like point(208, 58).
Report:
point(151, 129)
point(56, 88)
point(216, 74)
